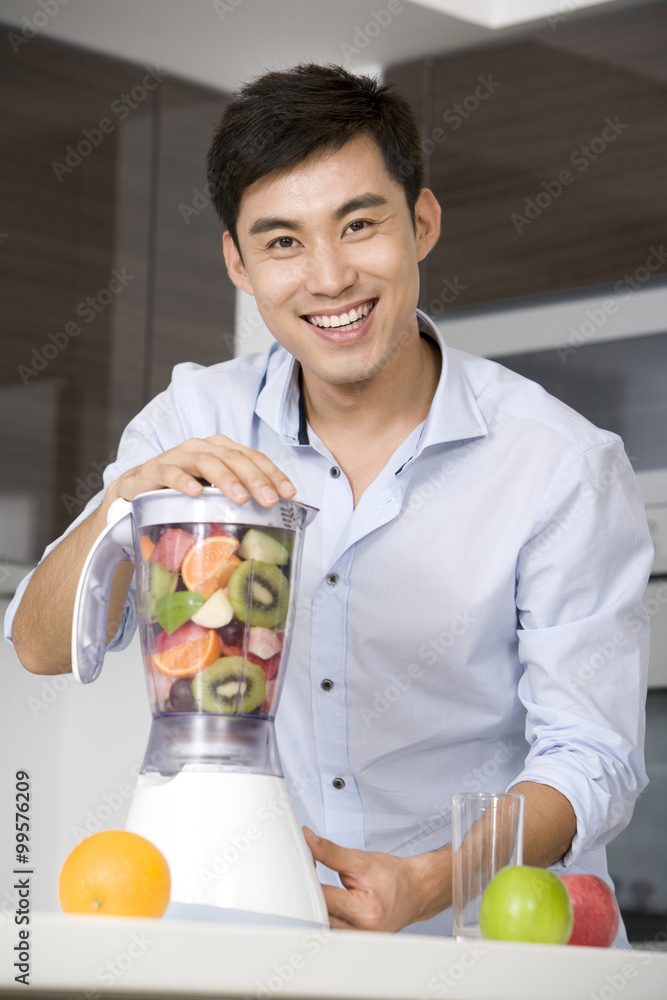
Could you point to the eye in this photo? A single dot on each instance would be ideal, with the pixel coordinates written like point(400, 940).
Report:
point(359, 225)
point(283, 243)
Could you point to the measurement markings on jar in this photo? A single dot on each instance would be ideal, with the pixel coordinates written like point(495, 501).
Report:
point(23, 880)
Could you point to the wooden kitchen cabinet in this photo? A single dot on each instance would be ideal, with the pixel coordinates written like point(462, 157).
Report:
point(548, 157)
point(105, 285)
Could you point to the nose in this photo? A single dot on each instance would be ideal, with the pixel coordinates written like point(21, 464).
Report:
point(328, 271)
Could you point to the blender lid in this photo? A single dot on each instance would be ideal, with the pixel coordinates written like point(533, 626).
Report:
point(169, 505)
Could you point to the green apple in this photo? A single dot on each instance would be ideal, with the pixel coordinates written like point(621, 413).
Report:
point(526, 904)
point(173, 610)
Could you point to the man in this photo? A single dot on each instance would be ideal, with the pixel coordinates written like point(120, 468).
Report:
point(466, 621)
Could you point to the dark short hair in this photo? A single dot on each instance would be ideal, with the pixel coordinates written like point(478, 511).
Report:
point(279, 119)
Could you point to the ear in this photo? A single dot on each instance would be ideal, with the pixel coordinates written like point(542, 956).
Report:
point(427, 222)
point(235, 268)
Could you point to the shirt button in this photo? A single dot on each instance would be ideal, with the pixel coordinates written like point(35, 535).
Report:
point(334, 472)
point(326, 684)
point(338, 783)
point(332, 579)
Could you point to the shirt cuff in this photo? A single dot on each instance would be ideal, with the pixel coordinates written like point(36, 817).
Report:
point(600, 815)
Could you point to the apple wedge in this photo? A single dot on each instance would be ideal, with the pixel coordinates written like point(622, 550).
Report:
point(216, 612)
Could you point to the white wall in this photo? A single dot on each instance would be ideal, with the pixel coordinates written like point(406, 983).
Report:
point(80, 745)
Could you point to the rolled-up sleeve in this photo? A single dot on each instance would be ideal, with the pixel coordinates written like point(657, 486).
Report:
point(583, 642)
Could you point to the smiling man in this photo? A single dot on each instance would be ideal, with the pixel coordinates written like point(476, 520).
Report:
point(470, 612)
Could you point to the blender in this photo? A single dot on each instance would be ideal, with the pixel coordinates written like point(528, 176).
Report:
point(215, 595)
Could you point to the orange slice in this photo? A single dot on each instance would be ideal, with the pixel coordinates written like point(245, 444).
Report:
point(146, 546)
point(209, 564)
point(189, 658)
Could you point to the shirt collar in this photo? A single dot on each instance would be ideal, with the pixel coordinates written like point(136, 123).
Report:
point(454, 415)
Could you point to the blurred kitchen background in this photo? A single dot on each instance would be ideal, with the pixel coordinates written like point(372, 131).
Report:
point(545, 141)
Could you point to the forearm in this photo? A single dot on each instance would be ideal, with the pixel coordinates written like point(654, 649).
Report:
point(549, 827)
point(549, 824)
point(42, 630)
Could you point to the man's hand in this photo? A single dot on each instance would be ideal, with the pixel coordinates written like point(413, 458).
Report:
point(237, 471)
point(43, 622)
point(382, 892)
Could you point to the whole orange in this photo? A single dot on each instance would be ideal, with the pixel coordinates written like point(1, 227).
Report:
point(115, 873)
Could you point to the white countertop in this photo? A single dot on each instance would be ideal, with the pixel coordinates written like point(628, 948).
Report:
point(86, 957)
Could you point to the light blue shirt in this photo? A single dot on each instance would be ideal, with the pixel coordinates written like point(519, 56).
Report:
point(478, 613)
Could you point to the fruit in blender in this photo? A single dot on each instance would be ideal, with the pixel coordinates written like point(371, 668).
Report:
point(259, 593)
point(231, 686)
point(173, 610)
point(171, 548)
point(216, 613)
point(188, 658)
point(263, 642)
point(208, 565)
point(264, 548)
point(181, 697)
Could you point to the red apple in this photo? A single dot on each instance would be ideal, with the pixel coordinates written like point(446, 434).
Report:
point(595, 910)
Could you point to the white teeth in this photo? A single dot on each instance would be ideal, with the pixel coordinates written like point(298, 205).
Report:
point(344, 319)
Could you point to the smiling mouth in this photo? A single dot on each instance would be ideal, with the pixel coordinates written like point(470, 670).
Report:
point(344, 322)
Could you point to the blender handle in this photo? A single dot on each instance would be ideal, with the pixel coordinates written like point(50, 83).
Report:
point(89, 625)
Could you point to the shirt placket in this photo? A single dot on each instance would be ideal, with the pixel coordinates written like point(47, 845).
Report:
point(343, 815)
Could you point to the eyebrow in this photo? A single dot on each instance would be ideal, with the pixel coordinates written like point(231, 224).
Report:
point(269, 223)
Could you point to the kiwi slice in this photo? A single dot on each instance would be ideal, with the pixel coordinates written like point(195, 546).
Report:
point(230, 686)
point(263, 548)
point(258, 593)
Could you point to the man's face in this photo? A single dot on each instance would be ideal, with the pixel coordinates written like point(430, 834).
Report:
point(330, 253)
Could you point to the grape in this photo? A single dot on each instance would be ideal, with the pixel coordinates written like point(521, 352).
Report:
point(232, 634)
point(181, 697)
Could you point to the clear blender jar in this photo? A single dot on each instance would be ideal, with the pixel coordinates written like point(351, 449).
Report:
point(215, 591)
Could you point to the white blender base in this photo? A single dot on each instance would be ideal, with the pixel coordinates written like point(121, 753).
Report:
point(232, 841)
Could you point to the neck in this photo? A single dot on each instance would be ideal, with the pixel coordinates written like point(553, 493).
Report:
point(398, 397)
